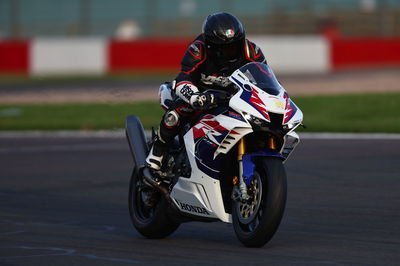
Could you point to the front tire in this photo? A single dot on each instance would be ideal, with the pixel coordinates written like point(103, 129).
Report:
point(148, 210)
point(256, 221)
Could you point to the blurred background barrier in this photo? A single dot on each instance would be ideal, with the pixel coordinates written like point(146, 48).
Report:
point(71, 56)
point(142, 55)
point(365, 52)
point(286, 54)
point(45, 37)
point(14, 56)
point(295, 54)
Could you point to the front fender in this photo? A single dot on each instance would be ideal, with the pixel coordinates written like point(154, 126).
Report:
point(249, 165)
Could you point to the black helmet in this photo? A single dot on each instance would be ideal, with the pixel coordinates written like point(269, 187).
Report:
point(224, 37)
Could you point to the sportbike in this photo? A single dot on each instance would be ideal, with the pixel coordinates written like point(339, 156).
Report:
point(227, 165)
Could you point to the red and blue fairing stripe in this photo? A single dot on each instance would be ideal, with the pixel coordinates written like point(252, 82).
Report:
point(208, 134)
point(208, 124)
point(253, 99)
point(291, 109)
point(232, 113)
point(204, 154)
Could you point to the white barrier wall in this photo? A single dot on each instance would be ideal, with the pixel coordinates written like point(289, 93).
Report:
point(295, 54)
point(68, 56)
point(60, 56)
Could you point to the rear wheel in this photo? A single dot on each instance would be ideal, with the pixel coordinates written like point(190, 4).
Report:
point(148, 210)
point(256, 220)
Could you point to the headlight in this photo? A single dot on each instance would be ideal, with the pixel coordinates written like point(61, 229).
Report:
point(291, 126)
point(255, 120)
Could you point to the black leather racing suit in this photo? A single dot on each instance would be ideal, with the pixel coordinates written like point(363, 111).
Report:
point(204, 72)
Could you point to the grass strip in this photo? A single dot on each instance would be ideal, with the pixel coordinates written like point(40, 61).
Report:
point(351, 113)
point(76, 116)
point(137, 76)
point(342, 113)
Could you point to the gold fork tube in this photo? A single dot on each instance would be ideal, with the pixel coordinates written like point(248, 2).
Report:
point(272, 143)
point(241, 148)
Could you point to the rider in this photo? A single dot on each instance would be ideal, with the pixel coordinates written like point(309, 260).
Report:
point(208, 62)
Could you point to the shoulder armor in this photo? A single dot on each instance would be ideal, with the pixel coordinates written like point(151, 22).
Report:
point(194, 56)
point(253, 52)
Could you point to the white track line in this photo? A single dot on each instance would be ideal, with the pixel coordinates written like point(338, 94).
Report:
point(350, 136)
point(61, 148)
point(120, 133)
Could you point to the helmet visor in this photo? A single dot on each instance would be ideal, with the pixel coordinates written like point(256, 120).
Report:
point(228, 51)
point(231, 51)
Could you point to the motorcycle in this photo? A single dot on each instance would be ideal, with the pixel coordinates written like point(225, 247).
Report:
point(225, 166)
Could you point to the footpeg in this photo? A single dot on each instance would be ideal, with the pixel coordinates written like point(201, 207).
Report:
point(151, 181)
point(149, 178)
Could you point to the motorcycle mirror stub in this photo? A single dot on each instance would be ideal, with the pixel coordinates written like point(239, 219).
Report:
point(247, 87)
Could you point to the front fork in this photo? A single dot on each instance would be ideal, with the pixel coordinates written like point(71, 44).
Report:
point(242, 185)
point(243, 194)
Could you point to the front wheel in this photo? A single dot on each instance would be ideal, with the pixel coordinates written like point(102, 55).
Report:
point(148, 210)
point(256, 220)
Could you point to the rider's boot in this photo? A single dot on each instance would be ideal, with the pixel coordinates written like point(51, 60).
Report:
point(154, 162)
point(169, 128)
point(156, 155)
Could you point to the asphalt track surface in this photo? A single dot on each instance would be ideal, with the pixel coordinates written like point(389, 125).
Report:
point(63, 201)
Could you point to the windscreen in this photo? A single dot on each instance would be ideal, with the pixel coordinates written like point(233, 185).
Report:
point(262, 76)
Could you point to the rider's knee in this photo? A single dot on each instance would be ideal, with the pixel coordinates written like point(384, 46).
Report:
point(169, 126)
point(171, 119)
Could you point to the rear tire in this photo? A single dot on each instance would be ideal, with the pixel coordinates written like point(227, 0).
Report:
point(148, 210)
point(255, 224)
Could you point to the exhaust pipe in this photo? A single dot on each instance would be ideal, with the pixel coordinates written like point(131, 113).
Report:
point(139, 150)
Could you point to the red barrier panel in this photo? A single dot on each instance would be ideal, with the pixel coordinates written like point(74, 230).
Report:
point(14, 57)
point(364, 52)
point(166, 54)
point(146, 55)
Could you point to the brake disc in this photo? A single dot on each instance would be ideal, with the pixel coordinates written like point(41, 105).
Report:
point(248, 210)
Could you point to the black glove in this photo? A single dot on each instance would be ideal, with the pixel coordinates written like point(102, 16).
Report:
point(203, 101)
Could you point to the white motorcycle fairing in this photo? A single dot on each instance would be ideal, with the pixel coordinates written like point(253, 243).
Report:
point(204, 142)
point(214, 135)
